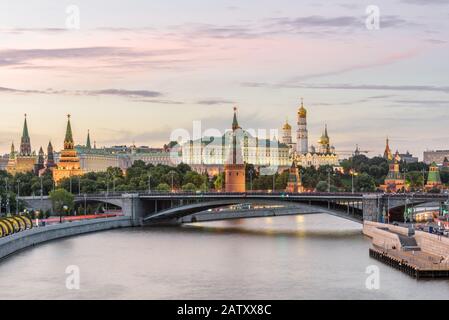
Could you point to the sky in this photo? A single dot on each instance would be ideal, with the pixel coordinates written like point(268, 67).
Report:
point(134, 71)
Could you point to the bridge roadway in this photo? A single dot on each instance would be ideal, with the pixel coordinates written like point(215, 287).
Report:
point(156, 206)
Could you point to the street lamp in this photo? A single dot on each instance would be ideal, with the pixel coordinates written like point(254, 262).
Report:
point(251, 179)
point(8, 209)
point(172, 174)
point(18, 196)
point(42, 191)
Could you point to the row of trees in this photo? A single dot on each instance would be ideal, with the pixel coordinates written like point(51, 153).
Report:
point(359, 173)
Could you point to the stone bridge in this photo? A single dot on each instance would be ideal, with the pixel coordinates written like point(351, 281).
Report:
point(152, 208)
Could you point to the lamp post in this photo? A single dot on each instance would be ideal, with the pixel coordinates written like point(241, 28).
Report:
point(251, 179)
point(18, 196)
point(172, 173)
point(8, 207)
point(42, 192)
point(85, 204)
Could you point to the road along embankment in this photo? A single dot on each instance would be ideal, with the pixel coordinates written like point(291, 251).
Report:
point(21, 240)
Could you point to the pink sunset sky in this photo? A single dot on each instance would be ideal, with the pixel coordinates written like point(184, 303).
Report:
point(134, 71)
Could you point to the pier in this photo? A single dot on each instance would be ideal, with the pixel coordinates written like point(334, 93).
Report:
point(416, 253)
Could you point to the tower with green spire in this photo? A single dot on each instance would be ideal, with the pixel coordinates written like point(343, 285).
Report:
point(88, 145)
point(25, 144)
point(433, 179)
point(68, 141)
point(69, 163)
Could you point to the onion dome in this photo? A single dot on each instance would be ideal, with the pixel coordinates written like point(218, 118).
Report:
point(286, 126)
point(302, 112)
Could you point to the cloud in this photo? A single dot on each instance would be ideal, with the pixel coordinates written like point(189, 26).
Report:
point(105, 57)
point(345, 86)
point(338, 22)
point(425, 2)
point(103, 92)
point(125, 93)
point(210, 102)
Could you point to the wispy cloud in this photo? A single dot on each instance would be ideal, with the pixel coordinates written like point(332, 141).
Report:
point(210, 102)
point(426, 2)
point(103, 92)
point(104, 57)
point(345, 86)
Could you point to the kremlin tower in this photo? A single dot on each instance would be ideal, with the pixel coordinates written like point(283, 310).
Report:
point(302, 145)
point(433, 179)
point(50, 157)
point(69, 163)
point(294, 180)
point(387, 153)
point(234, 167)
point(25, 160)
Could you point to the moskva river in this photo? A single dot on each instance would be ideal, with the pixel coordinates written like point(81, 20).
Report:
point(302, 257)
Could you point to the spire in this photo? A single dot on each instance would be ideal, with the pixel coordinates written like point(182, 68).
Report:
point(325, 131)
point(68, 141)
point(235, 124)
point(387, 153)
point(50, 156)
point(41, 157)
point(12, 154)
point(88, 145)
point(25, 134)
point(25, 144)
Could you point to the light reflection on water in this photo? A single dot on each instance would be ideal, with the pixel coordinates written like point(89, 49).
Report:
point(302, 257)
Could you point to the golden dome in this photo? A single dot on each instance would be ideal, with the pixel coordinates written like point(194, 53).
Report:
point(302, 112)
point(287, 126)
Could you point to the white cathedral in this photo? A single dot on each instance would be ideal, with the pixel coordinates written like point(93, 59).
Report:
point(301, 153)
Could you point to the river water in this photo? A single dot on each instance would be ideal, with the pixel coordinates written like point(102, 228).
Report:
point(302, 257)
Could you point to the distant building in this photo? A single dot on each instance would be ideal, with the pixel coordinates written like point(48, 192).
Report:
point(93, 159)
point(294, 179)
point(234, 167)
point(387, 153)
point(4, 162)
point(408, 157)
point(436, 156)
point(302, 136)
point(287, 136)
point(25, 159)
point(395, 181)
point(306, 156)
point(433, 179)
point(69, 163)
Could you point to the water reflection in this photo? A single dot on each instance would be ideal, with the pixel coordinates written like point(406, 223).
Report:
point(308, 257)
